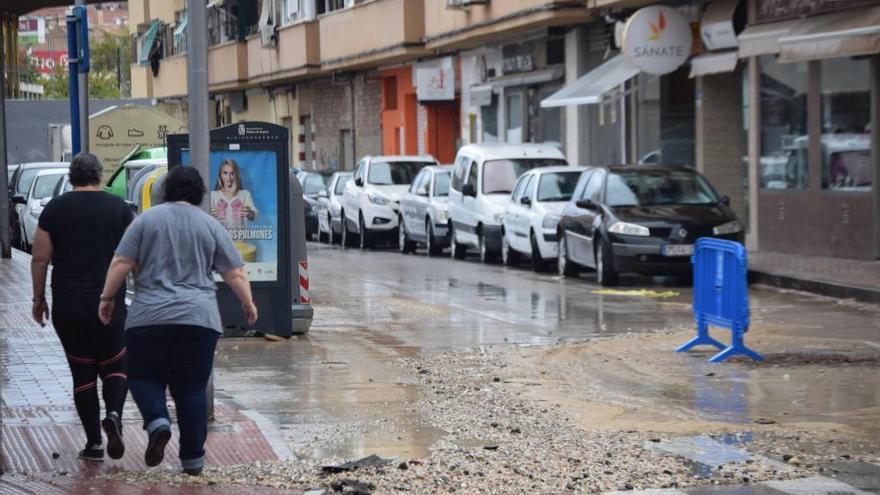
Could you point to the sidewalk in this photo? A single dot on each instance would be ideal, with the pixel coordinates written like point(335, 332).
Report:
point(41, 431)
point(835, 277)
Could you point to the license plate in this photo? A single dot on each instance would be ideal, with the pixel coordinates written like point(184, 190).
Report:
point(678, 250)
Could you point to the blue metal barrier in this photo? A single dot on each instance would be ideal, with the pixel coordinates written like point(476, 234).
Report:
point(721, 296)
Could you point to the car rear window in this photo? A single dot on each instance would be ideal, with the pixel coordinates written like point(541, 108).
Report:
point(658, 187)
point(26, 179)
point(313, 184)
point(341, 182)
point(394, 173)
point(557, 186)
point(499, 176)
point(45, 185)
point(441, 184)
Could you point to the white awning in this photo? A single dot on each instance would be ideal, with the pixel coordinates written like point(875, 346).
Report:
point(716, 27)
point(714, 63)
point(763, 39)
point(841, 34)
point(591, 87)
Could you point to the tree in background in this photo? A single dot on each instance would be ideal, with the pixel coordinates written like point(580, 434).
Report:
point(27, 70)
point(109, 74)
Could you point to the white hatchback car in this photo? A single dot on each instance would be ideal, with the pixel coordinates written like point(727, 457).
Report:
point(483, 177)
point(424, 212)
point(371, 201)
point(329, 207)
point(40, 193)
point(533, 211)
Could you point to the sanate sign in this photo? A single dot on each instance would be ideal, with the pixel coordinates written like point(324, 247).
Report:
point(657, 39)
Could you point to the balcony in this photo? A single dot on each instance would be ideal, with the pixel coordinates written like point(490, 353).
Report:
point(469, 27)
point(227, 66)
point(171, 81)
point(298, 54)
point(141, 81)
point(351, 39)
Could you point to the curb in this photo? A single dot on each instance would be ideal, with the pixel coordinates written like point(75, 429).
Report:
point(815, 286)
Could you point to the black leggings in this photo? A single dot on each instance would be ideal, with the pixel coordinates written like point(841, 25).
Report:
point(92, 350)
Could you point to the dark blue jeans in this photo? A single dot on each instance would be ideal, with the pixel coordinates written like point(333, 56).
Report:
point(179, 357)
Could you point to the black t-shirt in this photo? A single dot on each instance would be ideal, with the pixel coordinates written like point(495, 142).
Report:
point(85, 228)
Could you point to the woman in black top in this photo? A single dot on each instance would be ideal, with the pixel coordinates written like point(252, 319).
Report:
point(78, 232)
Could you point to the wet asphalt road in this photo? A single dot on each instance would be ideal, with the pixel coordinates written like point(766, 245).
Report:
point(340, 383)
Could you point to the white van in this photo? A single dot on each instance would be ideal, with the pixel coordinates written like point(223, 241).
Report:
point(483, 177)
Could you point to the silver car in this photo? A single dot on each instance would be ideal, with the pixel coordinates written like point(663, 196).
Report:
point(424, 211)
point(329, 208)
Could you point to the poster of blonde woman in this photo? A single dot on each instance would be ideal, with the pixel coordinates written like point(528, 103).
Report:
point(230, 203)
point(244, 198)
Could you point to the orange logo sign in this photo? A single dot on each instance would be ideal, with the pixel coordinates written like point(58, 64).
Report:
point(657, 29)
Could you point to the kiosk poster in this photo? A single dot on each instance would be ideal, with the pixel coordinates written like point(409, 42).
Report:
point(244, 198)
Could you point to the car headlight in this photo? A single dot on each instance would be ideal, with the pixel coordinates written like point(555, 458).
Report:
point(442, 216)
point(624, 228)
point(377, 199)
point(728, 228)
point(550, 221)
point(498, 217)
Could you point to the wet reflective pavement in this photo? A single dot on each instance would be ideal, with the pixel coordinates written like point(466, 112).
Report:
point(372, 308)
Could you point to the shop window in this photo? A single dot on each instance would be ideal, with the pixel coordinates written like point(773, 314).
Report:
point(489, 116)
point(514, 132)
point(665, 118)
point(784, 162)
point(846, 124)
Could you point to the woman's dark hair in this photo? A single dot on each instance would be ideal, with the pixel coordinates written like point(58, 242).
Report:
point(85, 170)
point(184, 184)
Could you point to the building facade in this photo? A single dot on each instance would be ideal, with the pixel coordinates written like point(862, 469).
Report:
point(774, 101)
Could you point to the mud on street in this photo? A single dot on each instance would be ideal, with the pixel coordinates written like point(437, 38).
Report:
point(468, 378)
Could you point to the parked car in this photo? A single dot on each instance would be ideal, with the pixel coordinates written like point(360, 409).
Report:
point(40, 193)
point(642, 219)
point(424, 211)
point(330, 206)
point(19, 187)
point(371, 201)
point(528, 227)
point(483, 177)
point(312, 183)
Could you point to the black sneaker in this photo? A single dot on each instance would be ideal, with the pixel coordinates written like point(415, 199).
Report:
point(156, 445)
point(113, 428)
point(94, 453)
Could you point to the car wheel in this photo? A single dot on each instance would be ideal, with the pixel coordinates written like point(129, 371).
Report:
point(456, 250)
point(362, 233)
point(509, 256)
point(486, 256)
point(605, 273)
point(430, 242)
point(539, 264)
point(404, 244)
point(566, 267)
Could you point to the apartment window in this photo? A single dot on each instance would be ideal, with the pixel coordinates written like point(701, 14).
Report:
point(223, 24)
point(784, 162)
point(846, 124)
point(325, 6)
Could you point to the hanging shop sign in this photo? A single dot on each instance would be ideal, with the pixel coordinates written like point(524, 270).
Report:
point(657, 39)
point(435, 84)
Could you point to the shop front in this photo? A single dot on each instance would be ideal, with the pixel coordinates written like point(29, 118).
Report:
point(506, 84)
point(813, 81)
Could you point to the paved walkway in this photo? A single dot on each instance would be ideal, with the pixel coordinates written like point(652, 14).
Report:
point(41, 432)
point(834, 277)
